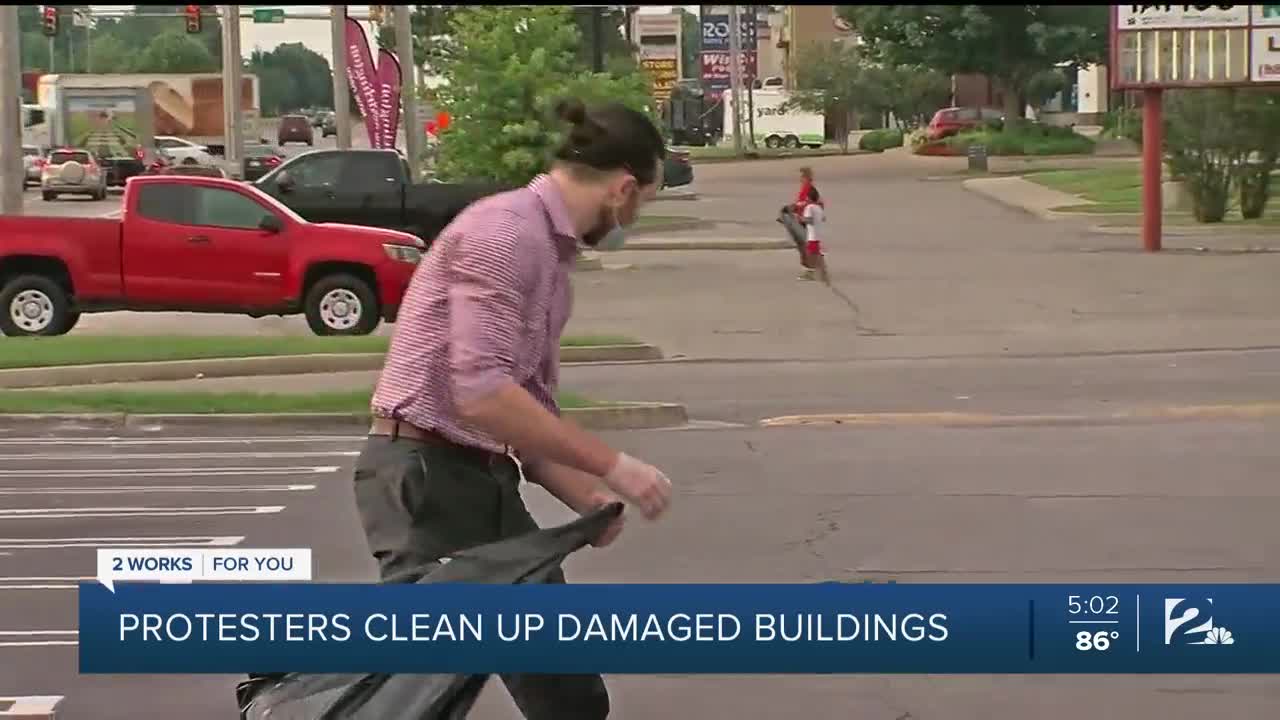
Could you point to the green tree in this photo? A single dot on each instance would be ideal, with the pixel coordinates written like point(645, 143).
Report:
point(291, 77)
point(175, 52)
point(914, 93)
point(110, 54)
point(833, 79)
point(509, 67)
point(1258, 122)
point(429, 26)
point(1009, 43)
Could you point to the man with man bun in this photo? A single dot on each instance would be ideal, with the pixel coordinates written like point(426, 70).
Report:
point(466, 399)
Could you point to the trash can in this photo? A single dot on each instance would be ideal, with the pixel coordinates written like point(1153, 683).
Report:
point(977, 158)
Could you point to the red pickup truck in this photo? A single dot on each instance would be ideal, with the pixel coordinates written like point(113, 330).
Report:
point(196, 244)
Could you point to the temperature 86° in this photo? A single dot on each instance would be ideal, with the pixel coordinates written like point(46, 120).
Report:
point(1096, 640)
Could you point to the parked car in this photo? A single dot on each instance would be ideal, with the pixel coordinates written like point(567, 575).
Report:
point(259, 160)
point(72, 171)
point(368, 187)
point(295, 128)
point(184, 152)
point(950, 121)
point(33, 159)
point(329, 125)
point(677, 170)
point(195, 244)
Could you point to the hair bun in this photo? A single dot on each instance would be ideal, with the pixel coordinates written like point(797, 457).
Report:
point(572, 111)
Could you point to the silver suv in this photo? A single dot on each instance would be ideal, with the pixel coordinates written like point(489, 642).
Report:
point(73, 170)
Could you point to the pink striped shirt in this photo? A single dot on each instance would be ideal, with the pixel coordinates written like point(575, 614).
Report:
point(487, 304)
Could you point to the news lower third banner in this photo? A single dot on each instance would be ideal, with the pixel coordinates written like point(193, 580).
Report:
point(819, 628)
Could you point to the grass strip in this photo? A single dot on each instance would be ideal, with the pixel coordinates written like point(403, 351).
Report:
point(102, 349)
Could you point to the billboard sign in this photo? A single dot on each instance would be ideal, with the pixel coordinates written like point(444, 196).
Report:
point(715, 69)
point(1177, 17)
point(664, 73)
point(1189, 46)
point(1265, 62)
point(715, 29)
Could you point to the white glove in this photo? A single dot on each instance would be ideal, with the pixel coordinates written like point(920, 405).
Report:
point(640, 484)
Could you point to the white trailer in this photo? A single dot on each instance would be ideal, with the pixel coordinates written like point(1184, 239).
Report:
point(778, 122)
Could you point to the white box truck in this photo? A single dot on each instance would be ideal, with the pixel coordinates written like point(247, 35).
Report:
point(778, 122)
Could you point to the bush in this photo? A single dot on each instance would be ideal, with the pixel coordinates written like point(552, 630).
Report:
point(880, 140)
point(1125, 124)
point(1024, 138)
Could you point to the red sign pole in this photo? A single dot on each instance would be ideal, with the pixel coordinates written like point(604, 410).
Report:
point(1152, 167)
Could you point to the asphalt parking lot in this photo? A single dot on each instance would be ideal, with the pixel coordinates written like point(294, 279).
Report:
point(61, 497)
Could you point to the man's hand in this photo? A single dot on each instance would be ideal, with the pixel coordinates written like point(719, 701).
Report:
point(640, 484)
point(614, 529)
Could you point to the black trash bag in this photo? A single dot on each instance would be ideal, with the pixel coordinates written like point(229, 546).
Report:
point(795, 231)
point(529, 558)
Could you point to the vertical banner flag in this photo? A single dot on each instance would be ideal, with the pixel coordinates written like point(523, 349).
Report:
point(362, 75)
point(389, 80)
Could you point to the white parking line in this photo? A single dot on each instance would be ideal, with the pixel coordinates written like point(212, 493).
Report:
point(170, 472)
point(121, 542)
point(98, 457)
point(86, 513)
point(31, 706)
point(129, 489)
point(196, 440)
point(43, 583)
point(4, 634)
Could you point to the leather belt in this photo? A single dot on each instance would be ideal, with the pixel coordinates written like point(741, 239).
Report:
point(397, 429)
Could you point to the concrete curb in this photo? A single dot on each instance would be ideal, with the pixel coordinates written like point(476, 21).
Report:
point(660, 228)
point(587, 263)
point(711, 245)
point(1249, 411)
point(617, 416)
point(1213, 230)
point(991, 188)
point(269, 365)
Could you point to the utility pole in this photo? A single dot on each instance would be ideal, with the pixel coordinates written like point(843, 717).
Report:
point(735, 78)
point(341, 96)
point(408, 90)
point(11, 172)
point(233, 122)
point(751, 84)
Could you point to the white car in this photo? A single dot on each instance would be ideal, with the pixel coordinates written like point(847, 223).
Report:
point(184, 152)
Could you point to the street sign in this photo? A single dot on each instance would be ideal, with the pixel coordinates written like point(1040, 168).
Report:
point(81, 17)
point(268, 15)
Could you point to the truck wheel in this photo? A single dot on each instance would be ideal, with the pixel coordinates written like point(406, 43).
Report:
point(792, 142)
point(342, 305)
point(48, 196)
point(35, 305)
point(773, 142)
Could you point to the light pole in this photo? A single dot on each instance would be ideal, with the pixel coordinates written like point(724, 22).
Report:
point(408, 89)
point(735, 78)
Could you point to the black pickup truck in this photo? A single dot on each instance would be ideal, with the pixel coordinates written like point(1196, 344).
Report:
point(368, 187)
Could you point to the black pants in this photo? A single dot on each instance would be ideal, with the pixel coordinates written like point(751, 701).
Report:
point(422, 501)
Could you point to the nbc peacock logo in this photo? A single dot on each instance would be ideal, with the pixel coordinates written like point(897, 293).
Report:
point(1190, 622)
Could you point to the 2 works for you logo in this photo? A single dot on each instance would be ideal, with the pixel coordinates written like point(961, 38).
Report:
point(1189, 623)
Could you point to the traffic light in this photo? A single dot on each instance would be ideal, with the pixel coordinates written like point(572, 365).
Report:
point(50, 20)
point(193, 19)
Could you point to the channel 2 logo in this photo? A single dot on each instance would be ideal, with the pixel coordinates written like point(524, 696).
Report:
point(1187, 622)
